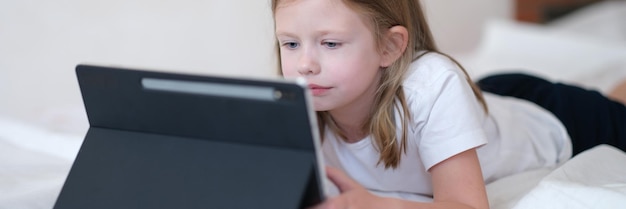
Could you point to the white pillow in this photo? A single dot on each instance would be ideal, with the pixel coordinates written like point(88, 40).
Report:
point(540, 50)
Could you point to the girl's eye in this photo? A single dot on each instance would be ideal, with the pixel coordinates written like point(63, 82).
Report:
point(291, 45)
point(332, 45)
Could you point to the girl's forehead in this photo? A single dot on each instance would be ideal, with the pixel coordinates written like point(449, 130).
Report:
point(285, 3)
point(318, 6)
point(333, 12)
point(294, 16)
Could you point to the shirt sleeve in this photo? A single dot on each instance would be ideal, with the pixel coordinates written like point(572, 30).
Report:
point(453, 119)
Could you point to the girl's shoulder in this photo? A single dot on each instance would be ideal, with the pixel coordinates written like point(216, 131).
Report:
point(428, 68)
point(431, 58)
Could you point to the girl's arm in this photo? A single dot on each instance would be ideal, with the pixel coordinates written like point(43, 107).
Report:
point(460, 180)
point(457, 183)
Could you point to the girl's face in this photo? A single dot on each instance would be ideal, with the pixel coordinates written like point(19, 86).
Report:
point(331, 46)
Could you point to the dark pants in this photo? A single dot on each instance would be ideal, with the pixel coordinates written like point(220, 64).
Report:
point(589, 117)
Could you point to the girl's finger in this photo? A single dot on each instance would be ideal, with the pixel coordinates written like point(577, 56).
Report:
point(343, 182)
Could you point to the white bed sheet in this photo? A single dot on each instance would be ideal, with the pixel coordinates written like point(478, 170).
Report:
point(34, 163)
point(595, 178)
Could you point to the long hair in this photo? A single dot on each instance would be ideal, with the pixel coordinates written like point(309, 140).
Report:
point(382, 15)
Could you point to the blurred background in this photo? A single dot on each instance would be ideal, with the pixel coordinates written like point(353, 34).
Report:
point(43, 122)
point(42, 41)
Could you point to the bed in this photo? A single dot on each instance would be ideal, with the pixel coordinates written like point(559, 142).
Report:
point(34, 159)
point(34, 162)
point(586, 48)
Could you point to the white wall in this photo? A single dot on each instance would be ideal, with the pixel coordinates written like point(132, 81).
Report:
point(457, 25)
point(42, 41)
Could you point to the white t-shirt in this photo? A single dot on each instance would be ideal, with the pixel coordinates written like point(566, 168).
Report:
point(447, 119)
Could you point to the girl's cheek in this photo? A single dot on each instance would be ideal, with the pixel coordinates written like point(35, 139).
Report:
point(288, 70)
point(287, 74)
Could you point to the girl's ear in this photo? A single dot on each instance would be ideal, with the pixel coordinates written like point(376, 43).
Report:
point(394, 44)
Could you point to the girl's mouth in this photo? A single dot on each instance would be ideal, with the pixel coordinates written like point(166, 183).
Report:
point(318, 90)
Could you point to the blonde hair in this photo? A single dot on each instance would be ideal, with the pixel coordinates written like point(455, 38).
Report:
point(383, 15)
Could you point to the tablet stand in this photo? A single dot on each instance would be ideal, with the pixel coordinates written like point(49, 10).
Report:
point(165, 149)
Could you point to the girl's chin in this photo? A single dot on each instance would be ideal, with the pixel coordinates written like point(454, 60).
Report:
point(320, 107)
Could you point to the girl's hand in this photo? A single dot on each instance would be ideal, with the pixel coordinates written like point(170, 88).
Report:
point(353, 195)
point(457, 181)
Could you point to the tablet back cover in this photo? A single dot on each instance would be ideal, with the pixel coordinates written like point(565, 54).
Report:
point(172, 148)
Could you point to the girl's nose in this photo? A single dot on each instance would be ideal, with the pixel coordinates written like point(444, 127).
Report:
point(308, 63)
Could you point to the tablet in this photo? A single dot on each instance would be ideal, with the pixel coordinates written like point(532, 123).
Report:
point(171, 140)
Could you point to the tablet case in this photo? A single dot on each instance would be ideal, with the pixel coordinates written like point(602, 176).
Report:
point(165, 140)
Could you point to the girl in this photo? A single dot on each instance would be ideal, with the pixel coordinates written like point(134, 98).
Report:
point(402, 125)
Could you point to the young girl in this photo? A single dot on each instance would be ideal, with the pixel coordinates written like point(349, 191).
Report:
point(402, 125)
